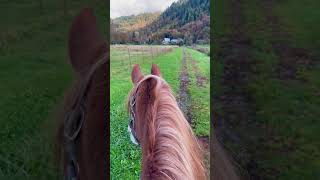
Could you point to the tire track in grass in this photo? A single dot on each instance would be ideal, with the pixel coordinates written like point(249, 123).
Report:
point(185, 103)
point(201, 82)
point(184, 99)
point(234, 124)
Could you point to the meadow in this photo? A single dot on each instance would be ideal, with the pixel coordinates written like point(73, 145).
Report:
point(34, 74)
point(124, 156)
point(278, 46)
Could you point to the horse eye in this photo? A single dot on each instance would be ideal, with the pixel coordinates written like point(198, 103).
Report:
point(131, 123)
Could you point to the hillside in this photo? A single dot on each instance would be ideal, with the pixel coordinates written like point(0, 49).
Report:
point(186, 19)
point(133, 22)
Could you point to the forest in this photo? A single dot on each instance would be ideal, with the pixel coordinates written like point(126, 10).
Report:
point(185, 19)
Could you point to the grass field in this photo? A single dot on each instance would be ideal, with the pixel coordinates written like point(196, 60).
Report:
point(34, 75)
point(286, 109)
point(124, 156)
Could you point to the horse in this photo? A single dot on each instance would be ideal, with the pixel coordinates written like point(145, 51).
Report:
point(81, 133)
point(169, 147)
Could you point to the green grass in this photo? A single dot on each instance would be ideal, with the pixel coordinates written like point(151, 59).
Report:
point(301, 20)
point(124, 156)
point(287, 109)
point(200, 96)
point(34, 75)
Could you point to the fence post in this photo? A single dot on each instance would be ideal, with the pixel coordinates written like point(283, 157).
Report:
point(142, 51)
point(129, 56)
point(152, 53)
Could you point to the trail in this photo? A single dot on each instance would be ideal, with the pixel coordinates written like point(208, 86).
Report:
point(185, 101)
point(235, 125)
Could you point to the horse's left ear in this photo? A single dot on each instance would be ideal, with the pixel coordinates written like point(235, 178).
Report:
point(85, 42)
point(155, 70)
point(136, 74)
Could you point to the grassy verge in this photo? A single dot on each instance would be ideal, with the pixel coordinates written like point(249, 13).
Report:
point(200, 96)
point(286, 108)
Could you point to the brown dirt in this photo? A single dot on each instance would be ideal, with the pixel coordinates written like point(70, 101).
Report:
point(204, 144)
point(235, 125)
point(185, 104)
point(184, 99)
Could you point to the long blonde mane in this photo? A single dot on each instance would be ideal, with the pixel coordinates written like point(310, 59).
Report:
point(169, 147)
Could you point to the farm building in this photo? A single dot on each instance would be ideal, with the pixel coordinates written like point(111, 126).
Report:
point(167, 41)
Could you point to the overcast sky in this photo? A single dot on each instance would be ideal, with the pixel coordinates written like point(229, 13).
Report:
point(132, 7)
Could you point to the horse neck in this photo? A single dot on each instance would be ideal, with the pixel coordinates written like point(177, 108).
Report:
point(169, 148)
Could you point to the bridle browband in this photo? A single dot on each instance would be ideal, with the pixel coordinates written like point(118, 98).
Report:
point(73, 123)
point(132, 104)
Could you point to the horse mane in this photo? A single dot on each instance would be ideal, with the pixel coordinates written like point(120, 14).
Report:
point(170, 148)
point(72, 98)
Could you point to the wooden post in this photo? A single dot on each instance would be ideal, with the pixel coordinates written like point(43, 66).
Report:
point(129, 56)
point(152, 53)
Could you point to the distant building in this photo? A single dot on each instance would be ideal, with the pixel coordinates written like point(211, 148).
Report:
point(166, 41)
point(174, 41)
point(178, 41)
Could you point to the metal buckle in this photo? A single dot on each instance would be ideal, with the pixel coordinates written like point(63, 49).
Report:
point(72, 170)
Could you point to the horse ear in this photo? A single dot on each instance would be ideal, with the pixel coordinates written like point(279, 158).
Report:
point(155, 70)
point(84, 41)
point(136, 74)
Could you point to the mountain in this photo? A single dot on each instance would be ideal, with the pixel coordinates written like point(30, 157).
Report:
point(133, 22)
point(186, 19)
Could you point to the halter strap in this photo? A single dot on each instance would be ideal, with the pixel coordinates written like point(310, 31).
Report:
point(74, 121)
point(132, 103)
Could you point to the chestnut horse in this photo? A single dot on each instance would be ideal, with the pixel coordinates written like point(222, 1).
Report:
point(169, 148)
point(81, 134)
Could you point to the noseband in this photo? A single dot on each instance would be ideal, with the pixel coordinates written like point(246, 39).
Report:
point(73, 123)
point(132, 105)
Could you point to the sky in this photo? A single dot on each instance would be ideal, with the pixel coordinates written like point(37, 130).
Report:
point(133, 7)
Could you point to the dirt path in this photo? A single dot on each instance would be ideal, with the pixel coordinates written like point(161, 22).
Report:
point(235, 126)
point(185, 101)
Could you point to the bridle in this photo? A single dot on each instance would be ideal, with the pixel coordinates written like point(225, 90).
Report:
point(132, 105)
point(73, 122)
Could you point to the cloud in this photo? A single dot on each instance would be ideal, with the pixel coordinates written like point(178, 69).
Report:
point(133, 7)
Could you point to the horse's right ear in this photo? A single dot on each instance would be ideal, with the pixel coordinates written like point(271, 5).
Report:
point(84, 41)
point(155, 70)
point(136, 74)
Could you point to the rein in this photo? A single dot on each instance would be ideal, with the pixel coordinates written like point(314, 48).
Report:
point(132, 104)
point(73, 123)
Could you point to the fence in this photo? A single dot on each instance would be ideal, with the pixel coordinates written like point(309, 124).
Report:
point(125, 56)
